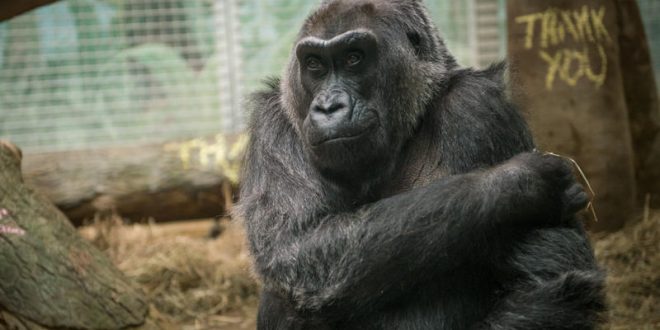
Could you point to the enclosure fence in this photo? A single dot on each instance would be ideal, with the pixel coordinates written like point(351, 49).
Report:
point(96, 73)
point(650, 10)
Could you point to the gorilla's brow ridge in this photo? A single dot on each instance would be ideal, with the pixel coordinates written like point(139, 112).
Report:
point(344, 38)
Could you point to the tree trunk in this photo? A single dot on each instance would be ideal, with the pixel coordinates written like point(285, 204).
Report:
point(568, 62)
point(180, 180)
point(9, 9)
point(51, 278)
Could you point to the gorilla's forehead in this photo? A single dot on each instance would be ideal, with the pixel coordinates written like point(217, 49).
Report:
point(336, 17)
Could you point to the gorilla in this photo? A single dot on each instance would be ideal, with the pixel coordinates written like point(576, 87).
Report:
point(386, 187)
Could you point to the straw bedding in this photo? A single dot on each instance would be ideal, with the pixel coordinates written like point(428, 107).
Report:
point(197, 283)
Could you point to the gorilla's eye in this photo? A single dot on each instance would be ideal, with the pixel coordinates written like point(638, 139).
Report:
point(415, 41)
point(313, 64)
point(353, 58)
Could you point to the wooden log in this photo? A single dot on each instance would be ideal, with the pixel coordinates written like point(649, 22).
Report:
point(197, 228)
point(9, 9)
point(566, 59)
point(51, 278)
point(189, 179)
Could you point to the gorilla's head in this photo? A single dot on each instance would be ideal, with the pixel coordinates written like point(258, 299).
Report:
point(359, 79)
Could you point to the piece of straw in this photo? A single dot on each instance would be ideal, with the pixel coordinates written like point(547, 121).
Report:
point(590, 206)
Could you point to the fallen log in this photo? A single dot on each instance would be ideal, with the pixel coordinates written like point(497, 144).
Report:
point(51, 278)
point(190, 179)
point(10, 9)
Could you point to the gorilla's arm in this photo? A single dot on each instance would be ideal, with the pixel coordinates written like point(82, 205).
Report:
point(338, 263)
point(559, 285)
point(557, 280)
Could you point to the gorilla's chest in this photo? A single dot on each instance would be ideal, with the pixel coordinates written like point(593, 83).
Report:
point(419, 163)
point(415, 172)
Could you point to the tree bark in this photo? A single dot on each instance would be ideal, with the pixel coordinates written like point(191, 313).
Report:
point(9, 9)
point(179, 180)
point(51, 278)
point(567, 59)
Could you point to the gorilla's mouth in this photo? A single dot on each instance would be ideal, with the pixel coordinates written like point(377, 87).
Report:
point(342, 138)
point(343, 135)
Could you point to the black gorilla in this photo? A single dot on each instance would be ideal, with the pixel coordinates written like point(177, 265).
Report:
point(387, 188)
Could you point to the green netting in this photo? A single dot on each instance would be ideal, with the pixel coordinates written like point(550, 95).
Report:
point(91, 73)
point(650, 10)
point(85, 73)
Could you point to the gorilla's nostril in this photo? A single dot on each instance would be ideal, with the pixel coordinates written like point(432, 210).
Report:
point(329, 108)
point(335, 107)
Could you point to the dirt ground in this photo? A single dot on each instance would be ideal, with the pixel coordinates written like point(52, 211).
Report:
point(197, 283)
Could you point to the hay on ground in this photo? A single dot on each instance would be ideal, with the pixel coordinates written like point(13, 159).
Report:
point(631, 258)
point(199, 283)
point(192, 281)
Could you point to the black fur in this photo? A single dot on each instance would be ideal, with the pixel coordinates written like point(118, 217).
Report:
point(441, 218)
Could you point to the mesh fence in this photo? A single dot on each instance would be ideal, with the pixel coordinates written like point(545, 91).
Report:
point(94, 73)
point(473, 29)
point(84, 74)
point(650, 10)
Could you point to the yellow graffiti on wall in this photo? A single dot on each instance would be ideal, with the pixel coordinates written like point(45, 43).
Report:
point(215, 154)
point(553, 28)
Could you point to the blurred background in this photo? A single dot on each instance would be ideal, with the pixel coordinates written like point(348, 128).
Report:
point(131, 113)
point(87, 74)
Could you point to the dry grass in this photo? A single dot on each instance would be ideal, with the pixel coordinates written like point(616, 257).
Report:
point(197, 283)
point(193, 282)
point(632, 260)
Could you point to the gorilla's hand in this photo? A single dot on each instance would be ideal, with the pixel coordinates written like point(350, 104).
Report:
point(552, 187)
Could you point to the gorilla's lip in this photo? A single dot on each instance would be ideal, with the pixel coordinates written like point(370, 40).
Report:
point(340, 138)
point(347, 137)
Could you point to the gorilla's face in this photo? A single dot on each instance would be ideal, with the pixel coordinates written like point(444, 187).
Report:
point(340, 74)
point(356, 88)
point(349, 122)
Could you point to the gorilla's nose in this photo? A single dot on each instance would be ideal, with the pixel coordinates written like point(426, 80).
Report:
point(331, 109)
point(331, 103)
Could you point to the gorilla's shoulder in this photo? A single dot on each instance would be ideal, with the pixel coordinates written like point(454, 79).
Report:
point(467, 80)
point(269, 94)
point(478, 92)
point(269, 123)
point(496, 72)
point(475, 106)
point(265, 105)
